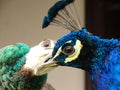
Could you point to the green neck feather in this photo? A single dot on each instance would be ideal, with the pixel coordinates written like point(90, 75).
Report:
point(12, 58)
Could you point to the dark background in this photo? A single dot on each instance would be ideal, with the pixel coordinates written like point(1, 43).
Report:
point(102, 19)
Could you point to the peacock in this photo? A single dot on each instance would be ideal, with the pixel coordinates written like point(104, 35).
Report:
point(83, 50)
point(20, 63)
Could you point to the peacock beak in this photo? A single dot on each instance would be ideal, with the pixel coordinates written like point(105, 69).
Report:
point(48, 66)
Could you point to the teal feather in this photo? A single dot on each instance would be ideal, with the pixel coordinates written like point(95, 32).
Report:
point(53, 11)
point(12, 59)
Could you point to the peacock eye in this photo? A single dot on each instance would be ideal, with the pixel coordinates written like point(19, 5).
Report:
point(68, 49)
point(46, 43)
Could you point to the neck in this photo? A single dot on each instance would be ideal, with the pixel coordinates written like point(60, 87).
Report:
point(96, 59)
point(30, 81)
point(25, 80)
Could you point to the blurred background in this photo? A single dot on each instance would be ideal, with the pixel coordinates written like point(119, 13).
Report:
point(21, 20)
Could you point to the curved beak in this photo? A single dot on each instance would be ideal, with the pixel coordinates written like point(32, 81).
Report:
point(48, 66)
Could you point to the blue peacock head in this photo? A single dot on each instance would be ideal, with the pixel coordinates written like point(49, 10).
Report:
point(76, 48)
point(68, 49)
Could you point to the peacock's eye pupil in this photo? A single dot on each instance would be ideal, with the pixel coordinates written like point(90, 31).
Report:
point(68, 50)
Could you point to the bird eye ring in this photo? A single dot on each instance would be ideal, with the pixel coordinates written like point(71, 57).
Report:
point(68, 50)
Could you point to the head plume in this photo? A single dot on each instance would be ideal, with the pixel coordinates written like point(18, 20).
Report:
point(63, 13)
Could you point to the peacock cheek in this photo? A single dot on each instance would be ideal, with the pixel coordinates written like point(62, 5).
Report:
point(61, 58)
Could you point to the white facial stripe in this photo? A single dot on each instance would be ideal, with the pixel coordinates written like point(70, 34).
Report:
point(58, 52)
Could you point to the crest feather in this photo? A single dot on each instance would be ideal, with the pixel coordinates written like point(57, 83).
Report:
point(63, 13)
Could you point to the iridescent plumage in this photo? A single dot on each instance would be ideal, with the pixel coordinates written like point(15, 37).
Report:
point(16, 70)
point(53, 11)
point(80, 49)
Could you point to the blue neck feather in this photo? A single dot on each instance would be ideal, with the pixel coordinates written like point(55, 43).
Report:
point(102, 61)
point(99, 57)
